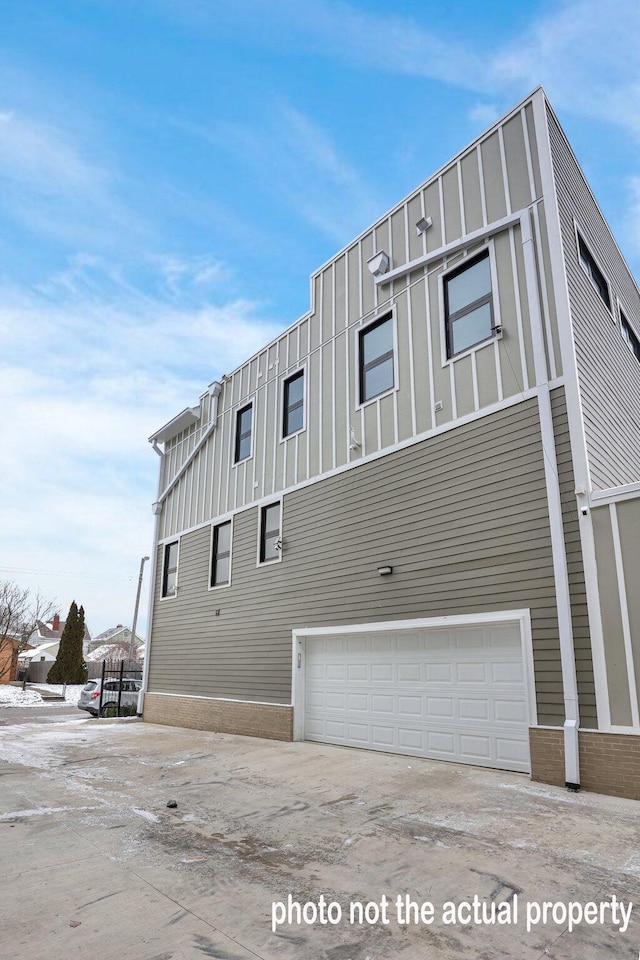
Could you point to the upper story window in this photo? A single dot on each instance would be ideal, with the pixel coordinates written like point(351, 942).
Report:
point(293, 404)
point(376, 359)
point(221, 555)
point(244, 420)
point(468, 305)
point(593, 271)
point(270, 533)
point(170, 569)
point(632, 340)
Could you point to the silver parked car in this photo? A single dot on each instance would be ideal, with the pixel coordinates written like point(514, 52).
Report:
point(90, 697)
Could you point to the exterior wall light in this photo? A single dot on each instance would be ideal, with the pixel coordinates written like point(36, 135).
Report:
point(423, 224)
point(379, 263)
point(385, 571)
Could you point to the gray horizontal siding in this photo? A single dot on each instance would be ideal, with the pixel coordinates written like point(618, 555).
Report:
point(609, 375)
point(463, 520)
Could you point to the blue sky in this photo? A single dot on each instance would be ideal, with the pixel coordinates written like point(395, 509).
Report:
point(171, 172)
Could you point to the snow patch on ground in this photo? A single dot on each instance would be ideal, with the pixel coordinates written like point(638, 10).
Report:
point(17, 697)
point(41, 812)
point(71, 694)
point(150, 817)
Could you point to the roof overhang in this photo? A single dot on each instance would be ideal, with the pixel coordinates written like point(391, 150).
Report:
point(181, 422)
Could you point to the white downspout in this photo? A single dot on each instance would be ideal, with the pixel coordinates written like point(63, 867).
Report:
point(157, 510)
point(561, 576)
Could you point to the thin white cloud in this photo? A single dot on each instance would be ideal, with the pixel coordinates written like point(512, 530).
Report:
point(582, 51)
point(296, 162)
point(50, 184)
point(114, 364)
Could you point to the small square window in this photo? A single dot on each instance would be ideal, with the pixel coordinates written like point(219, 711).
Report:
point(221, 555)
point(170, 569)
point(376, 359)
point(468, 305)
point(630, 337)
point(593, 271)
point(293, 404)
point(270, 533)
point(244, 420)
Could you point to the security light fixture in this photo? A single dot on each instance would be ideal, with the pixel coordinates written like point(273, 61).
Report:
point(379, 263)
point(385, 571)
point(423, 224)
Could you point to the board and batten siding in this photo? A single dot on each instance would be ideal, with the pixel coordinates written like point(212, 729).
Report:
point(608, 373)
point(462, 518)
point(496, 176)
point(616, 528)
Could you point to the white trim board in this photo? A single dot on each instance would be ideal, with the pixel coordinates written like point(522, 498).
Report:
point(377, 455)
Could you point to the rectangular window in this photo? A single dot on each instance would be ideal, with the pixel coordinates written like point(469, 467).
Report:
point(630, 337)
point(244, 419)
point(468, 305)
point(376, 359)
point(270, 542)
point(293, 404)
point(221, 555)
point(170, 569)
point(593, 271)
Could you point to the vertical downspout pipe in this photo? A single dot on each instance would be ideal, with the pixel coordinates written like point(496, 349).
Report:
point(561, 576)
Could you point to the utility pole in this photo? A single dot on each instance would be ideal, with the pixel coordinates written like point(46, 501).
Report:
point(135, 611)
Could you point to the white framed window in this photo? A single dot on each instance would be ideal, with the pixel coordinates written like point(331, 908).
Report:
point(593, 271)
point(270, 533)
point(243, 445)
point(221, 540)
point(293, 404)
point(468, 305)
point(377, 358)
point(170, 570)
point(629, 335)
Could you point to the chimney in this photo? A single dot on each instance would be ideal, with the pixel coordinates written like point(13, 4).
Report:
point(56, 621)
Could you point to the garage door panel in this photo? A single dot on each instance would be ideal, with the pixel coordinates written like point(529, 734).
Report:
point(476, 709)
point(454, 694)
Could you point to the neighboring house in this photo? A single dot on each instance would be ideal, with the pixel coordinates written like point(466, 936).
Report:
point(113, 651)
point(51, 630)
point(411, 522)
point(119, 635)
point(9, 648)
point(46, 652)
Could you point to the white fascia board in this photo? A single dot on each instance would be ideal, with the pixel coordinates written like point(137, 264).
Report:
point(475, 236)
point(181, 422)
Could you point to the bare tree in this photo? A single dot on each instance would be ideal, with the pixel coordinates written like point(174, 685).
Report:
point(20, 610)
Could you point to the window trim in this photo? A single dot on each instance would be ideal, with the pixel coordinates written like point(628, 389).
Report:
point(389, 313)
point(262, 507)
point(165, 550)
point(580, 239)
point(632, 337)
point(236, 438)
point(468, 260)
point(220, 522)
point(301, 371)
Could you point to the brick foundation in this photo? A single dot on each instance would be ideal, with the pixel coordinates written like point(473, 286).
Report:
point(273, 721)
point(609, 762)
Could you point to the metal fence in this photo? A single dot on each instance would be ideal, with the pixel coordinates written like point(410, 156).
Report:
point(121, 684)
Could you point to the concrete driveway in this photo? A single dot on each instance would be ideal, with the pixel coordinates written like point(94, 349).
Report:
point(94, 863)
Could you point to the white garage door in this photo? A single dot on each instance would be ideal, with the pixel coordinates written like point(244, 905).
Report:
point(457, 693)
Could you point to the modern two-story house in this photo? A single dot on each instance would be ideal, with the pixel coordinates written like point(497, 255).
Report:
point(411, 523)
